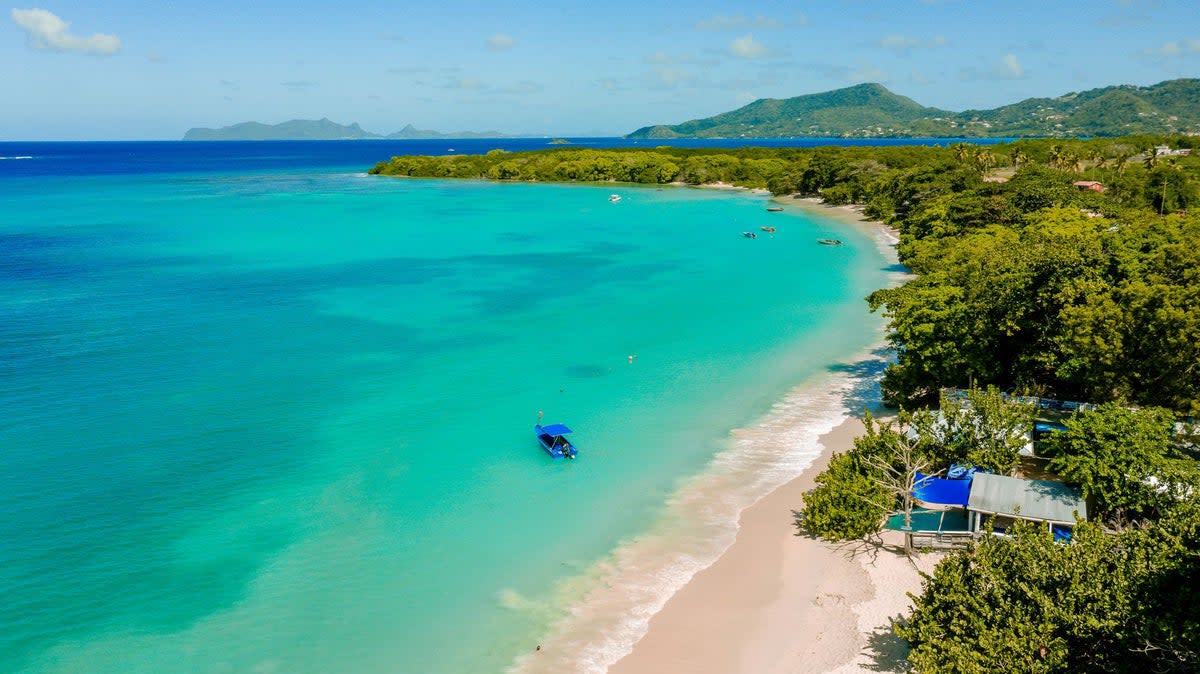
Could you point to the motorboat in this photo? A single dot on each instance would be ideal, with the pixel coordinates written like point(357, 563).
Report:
point(614, 198)
point(553, 440)
point(750, 235)
point(829, 242)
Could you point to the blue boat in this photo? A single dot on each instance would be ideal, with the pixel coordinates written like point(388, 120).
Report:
point(554, 441)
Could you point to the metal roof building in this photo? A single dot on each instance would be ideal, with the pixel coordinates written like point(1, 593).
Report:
point(1035, 500)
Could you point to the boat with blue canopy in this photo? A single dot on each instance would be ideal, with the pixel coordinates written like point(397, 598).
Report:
point(554, 441)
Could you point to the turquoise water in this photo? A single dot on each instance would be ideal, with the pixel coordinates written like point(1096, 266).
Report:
point(281, 421)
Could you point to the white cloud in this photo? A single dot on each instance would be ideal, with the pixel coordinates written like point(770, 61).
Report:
point(155, 57)
point(44, 30)
point(902, 43)
point(745, 47)
point(744, 97)
point(1172, 49)
point(868, 74)
point(918, 78)
point(1011, 68)
point(500, 42)
point(739, 23)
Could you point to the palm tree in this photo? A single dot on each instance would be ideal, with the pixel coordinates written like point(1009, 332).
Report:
point(961, 151)
point(985, 159)
point(1071, 162)
point(1151, 160)
point(1120, 162)
point(1019, 158)
point(1056, 153)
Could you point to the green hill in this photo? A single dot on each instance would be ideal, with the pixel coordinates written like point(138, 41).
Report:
point(870, 110)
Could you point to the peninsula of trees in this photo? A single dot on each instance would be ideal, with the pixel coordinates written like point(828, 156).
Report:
point(870, 110)
point(319, 129)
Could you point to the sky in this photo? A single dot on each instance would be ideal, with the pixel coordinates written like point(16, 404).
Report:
point(127, 69)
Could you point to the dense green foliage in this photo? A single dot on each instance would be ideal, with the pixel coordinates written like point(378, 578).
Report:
point(986, 430)
point(1105, 603)
point(846, 503)
point(1126, 461)
point(869, 110)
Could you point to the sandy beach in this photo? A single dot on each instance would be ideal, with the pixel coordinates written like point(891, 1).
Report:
point(779, 602)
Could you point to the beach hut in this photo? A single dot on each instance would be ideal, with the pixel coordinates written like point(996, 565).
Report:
point(1009, 498)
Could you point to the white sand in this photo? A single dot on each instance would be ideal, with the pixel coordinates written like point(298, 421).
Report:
point(779, 603)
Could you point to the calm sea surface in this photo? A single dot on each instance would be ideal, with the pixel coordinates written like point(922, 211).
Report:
point(264, 413)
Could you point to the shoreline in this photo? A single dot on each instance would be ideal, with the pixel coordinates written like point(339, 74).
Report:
point(778, 602)
point(726, 550)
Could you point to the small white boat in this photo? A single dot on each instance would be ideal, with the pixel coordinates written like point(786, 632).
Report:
point(614, 198)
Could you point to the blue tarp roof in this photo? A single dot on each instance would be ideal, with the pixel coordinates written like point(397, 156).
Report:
point(942, 491)
point(556, 429)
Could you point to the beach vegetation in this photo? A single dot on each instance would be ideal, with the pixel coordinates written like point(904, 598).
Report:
point(1127, 461)
point(981, 428)
point(876, 478)
point(846, 504)
point(1105, 603)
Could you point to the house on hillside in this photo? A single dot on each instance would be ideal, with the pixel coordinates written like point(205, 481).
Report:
point(1089, 185)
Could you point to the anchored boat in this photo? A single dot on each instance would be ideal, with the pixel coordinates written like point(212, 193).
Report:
point(553, 440)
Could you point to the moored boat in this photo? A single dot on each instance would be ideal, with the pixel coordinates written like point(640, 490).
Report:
point(750, 235)
point(614, 198)
point(553, 440)
point(769, 230)
point(829, 242)
point(774, 209)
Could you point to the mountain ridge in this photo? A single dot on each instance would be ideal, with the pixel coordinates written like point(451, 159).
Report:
point(872, 110)
point(319, 129)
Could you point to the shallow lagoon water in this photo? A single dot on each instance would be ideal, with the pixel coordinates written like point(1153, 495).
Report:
point(281, 420)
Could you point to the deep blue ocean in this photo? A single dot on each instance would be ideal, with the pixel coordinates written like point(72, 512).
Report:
point(263, 412)
point(162, 157)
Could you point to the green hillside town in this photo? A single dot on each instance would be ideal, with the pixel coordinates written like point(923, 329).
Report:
point(871, 111)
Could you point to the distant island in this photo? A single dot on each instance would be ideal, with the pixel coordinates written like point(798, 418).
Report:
point(872, 111)
point(320, 129)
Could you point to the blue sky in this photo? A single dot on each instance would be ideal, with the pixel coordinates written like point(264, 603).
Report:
point(148, 69)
